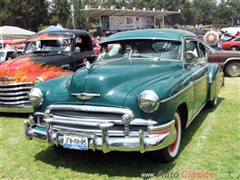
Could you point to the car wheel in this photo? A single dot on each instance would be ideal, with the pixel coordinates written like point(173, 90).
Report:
point(170, 152)
point(213, 103)
point(233, 69)
point(234, 48)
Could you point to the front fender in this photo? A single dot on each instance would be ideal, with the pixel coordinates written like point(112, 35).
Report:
point(215, 80)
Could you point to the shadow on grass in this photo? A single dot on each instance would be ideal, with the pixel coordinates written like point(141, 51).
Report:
point(128, 164)
point(15, 115)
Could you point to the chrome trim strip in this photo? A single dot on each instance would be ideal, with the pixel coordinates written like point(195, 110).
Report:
point(96, 131)
point(196, 72)
point(14, 98)
point(200, 79)
point(86, 123)
point(20, 103)
point(231, 59)
point(72, 120)
point(16, 84)
point(89, 108)
point(94, 122)
point(14, 88)
point(189, 122)
point(177, 93)
point(14, 93)
point(85, 94)
point(191, 84)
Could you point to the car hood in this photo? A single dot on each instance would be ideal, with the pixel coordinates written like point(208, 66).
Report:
point(111, 82)
point(26, 68)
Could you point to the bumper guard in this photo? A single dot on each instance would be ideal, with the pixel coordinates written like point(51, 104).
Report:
point(156, 138)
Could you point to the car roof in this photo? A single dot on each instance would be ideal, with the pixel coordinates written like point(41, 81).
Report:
point(67, 32)
point(169, 34)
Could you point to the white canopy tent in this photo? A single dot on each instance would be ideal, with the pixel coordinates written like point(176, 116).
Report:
point(231, 30)
point(52, 28)
point(12, 32)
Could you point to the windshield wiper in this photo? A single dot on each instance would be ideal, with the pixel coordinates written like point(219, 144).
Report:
point(146, 56)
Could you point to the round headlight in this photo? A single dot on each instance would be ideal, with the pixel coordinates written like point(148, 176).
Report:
point(148, 101)
point(38, 80)
point(35, 97)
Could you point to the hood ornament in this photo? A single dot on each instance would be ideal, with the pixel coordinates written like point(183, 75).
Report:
point(86, 63)
point(6, 78)
point(85, 96)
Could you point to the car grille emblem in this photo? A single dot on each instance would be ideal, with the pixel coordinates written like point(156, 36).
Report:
point(85, 96)
point(6, 78)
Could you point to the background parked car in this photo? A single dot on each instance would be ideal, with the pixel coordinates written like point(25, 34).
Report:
point(138, 95)
point(7, 54)
point(232, 44)
point(47, 55)
point(228, 60)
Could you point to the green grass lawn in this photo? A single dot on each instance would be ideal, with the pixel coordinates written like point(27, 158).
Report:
point(210, 145)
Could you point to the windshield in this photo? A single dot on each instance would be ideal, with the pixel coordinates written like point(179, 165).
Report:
point(2, 56)
point(51, 45)
point(50, 42)
point(162, 49)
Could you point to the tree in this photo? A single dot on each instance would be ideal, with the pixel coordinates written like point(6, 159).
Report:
point(234, 10)
point(222, 14)
point(59, 13)
point(26, 14)
point(78, 19)
point(205, 11)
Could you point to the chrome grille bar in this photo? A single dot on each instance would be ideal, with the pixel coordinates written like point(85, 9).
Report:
point(89, 119)
point(14, 95)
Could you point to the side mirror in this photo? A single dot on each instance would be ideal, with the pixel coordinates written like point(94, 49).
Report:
point(190, 57)
point(77, 50)
point(101, 54)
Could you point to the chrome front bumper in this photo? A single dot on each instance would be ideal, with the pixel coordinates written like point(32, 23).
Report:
point(156, 138)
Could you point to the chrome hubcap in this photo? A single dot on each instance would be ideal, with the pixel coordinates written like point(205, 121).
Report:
point(235, 69)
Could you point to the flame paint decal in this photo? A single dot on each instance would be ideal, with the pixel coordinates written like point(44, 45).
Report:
point(25, 70)
point(52, 36)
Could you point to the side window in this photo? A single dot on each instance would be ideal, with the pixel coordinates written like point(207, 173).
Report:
point(10, 55)
point(202, 50)
point(197, 48)
point(237, 40)
point(84, 43)
point(192, 46)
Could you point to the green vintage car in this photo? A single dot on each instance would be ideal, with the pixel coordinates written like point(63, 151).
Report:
point(145, 87)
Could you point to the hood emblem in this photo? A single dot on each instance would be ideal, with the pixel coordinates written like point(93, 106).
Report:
point(85, 96)
point(6, 78)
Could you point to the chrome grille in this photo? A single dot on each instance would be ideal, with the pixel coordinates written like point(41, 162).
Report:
point(68, 117)
point(88, 115)
point(15, 95)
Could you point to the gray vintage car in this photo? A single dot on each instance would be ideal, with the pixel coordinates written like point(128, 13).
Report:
point(144, 89)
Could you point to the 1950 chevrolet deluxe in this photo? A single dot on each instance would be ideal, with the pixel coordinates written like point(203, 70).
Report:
point(144, 88)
